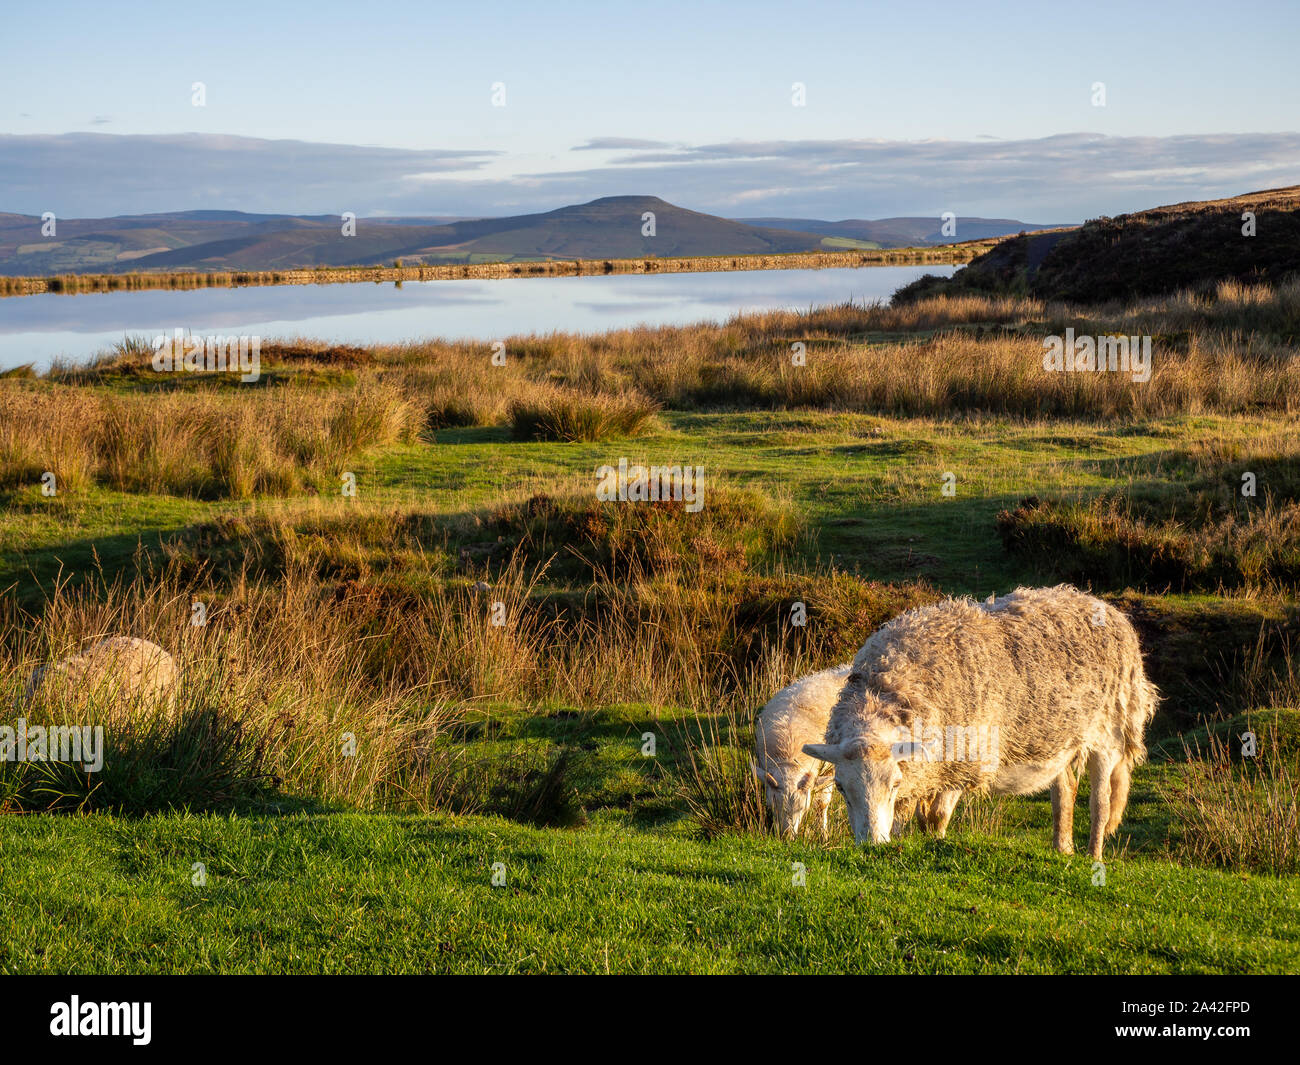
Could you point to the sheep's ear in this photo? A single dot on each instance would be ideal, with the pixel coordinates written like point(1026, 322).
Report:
point(763, 774)
point(805, 781)
point(825, 752)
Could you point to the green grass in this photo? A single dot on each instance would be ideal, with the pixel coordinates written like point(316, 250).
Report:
point(871, 485)
point(348, 893)
point(631, 888)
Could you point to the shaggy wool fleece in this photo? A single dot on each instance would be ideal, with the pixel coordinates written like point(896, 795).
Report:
point(1051, 669)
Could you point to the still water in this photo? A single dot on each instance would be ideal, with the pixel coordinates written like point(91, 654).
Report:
point(37, 329)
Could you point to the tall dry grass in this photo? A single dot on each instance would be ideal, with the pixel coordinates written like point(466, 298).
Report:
point(567, 415)
point(276, 687)
point(1226, 351)
point(292, 658)
point(206, 444)
point(1239, 813)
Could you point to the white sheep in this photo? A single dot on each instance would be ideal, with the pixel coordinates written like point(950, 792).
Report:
point(793, 717)
point(794, 781)
point(1002, 697)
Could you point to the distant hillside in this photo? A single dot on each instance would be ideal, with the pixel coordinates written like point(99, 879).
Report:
point(1146, 253)
point(903, 232)
point(609, 228)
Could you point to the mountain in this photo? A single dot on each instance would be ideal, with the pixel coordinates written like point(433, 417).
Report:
point(904, 232)
point(609, 228)
point(1146, 253)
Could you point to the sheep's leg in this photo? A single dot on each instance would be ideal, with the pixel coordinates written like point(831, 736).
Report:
point(1065, 788)
point(1120, 778)
point(903, 811)
point(1100, 765)
point(824, 796)
point(940, 812)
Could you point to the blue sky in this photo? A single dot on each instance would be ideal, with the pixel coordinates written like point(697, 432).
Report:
point(706, 85)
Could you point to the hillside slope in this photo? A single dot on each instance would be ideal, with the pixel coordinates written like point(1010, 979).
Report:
point(1146, 253)
point(909, 232)
point(608, 228)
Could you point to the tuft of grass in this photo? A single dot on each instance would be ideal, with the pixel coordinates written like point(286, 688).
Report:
point(1239, 813)
point(569, 416)
point(718, 785)
point(206, 759)
point(200, 444)
point(538, 789)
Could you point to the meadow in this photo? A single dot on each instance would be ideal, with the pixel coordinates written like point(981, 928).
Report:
point(448, 711)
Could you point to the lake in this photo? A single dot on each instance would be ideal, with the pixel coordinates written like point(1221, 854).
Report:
point(36, 329)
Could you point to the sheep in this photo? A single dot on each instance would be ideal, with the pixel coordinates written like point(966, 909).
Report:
point(792, 717)
point(794, 781)
point(117, 669)
point(1031, 684)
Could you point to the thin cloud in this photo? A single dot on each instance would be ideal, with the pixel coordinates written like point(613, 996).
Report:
point(1067, 177)
point(617, 144)
point(102, 174)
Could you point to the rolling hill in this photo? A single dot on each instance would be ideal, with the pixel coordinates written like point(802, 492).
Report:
point(608, 228)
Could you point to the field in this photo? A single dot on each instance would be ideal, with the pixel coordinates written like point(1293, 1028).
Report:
point(589, 753)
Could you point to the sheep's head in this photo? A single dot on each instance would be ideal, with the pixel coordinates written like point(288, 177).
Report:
point(789, 788)
point(869, 774)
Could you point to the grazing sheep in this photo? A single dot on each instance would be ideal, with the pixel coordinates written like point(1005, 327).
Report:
point(116, 669)
point(1003, 697)
point(794, 781)
point(793, 717)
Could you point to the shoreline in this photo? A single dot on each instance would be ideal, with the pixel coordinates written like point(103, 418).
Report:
point(75, 284)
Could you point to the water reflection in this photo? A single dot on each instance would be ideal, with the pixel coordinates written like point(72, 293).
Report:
point(38, 328)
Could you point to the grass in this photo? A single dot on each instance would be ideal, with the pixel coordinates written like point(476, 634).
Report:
point(573, 418)
point(1241, 812)
point(200, 444)
point(1224, 514)
point(375, 615)
point(346, 893)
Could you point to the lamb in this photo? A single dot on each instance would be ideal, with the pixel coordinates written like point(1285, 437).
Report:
point(117, 669)
point(795, 781)
point(1004, 697)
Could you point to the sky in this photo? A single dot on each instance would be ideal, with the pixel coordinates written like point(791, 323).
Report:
point(907, 108)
